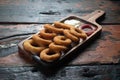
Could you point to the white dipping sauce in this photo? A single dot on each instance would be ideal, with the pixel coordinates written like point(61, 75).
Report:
point(73, 22)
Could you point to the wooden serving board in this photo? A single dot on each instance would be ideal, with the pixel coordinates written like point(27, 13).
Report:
point(89, 19)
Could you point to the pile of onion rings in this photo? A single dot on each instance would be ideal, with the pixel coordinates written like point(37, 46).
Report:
point(52, 40)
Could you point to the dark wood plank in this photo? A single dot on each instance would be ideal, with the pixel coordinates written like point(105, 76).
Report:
point(11, 35)
point(40, 11)
point(8, 30)
point(95, 72)
point(105, 49)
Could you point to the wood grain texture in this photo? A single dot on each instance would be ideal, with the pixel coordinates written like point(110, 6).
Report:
point(46, 11)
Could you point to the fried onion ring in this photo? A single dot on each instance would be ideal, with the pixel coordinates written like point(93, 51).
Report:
point(29, 45)
point(41, 41)
point(53, 29)
point(78, 33)
point(49, 56)
point(47, 35)
point(70, 36)
point(57, 48)
point(62, 40)
point(62, 25)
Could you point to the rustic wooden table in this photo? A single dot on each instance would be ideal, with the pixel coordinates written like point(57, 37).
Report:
point(22, 18)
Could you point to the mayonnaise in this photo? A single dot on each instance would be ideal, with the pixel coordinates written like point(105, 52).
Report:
point(73, 22)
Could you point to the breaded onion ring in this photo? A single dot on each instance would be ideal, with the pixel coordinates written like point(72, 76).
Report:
point(62, 40)
point(47, 35)
point(49, 56)
point(29, 45)
point(41, 41)
point(53, 29)
point(57, 48)
point(78, 33)
point(70, 36)
point(62, 25)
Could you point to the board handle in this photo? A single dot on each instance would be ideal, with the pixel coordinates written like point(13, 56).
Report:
point(94, 16)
